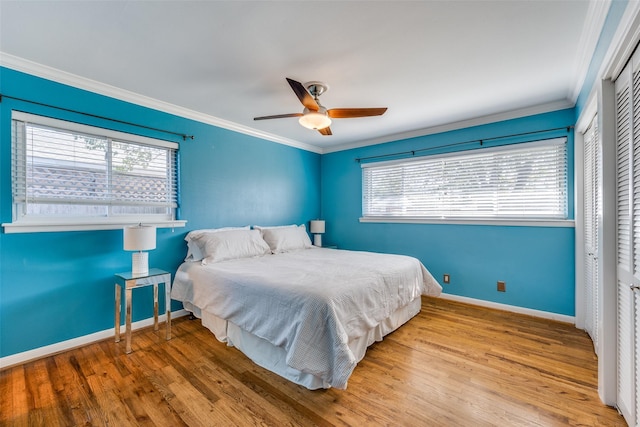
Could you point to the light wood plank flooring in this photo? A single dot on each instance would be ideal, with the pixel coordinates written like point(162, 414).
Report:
point(452, 365)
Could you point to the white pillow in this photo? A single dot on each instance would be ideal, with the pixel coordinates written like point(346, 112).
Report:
point(286, 238)
point(231, 244)
point(194, 251)
point(261, 227)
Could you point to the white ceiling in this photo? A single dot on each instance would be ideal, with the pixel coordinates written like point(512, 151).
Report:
point(432, 63)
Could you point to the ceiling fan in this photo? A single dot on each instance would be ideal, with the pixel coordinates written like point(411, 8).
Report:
point(314, 115)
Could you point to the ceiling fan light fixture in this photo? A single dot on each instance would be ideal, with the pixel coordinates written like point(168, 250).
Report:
point(315, 116)
point(315, 120)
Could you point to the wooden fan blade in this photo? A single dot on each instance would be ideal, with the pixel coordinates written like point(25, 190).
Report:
point(325, 131)
point(348, 113)
point(278, 116)
point(302, 94)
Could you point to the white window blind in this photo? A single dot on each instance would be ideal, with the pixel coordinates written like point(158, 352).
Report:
point(68, 171)
point(523, 181)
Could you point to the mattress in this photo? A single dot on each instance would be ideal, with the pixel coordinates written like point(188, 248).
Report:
point(316, 309)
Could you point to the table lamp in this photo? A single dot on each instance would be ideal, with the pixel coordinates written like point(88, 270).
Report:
point(139, 238)
point(317, 229)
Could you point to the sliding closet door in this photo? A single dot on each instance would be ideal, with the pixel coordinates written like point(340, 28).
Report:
point(592, 205)
point(627, 88)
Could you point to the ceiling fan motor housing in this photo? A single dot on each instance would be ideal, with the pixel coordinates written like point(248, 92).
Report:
point(316, 88)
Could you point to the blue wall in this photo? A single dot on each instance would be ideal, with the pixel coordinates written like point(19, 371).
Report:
point(58, 286)
point(537, 263)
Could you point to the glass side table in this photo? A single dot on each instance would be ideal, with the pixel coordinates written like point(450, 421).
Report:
point(130, 282)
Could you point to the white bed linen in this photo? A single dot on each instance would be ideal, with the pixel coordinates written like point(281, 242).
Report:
point(273, 358)
point(310, 303)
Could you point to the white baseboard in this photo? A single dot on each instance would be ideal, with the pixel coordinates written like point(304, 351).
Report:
point(37, 353)
point(512, 308)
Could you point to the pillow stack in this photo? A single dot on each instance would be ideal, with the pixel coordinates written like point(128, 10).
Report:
point(221, 244)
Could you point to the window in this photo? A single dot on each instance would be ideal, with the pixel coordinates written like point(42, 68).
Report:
point(68, 173)
point(522, 181)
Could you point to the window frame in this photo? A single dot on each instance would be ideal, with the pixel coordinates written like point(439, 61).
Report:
point(500, 221)
point(21, 223)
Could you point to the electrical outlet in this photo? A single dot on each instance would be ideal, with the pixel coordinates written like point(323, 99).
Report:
point(446, 278)
point(502, 286)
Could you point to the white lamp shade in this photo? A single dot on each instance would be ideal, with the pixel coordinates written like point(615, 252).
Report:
point(317, 226)
point(139, 238)
point(315, 120)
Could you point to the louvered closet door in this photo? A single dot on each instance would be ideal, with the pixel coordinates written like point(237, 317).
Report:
point(628, 238)
point(636, 298)
point(592, 162)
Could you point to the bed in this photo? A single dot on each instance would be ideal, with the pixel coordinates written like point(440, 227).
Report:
point(305, 313)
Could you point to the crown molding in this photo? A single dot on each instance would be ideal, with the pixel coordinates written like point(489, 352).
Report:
point(63, 77)
point(591, 31)
point(463, 124)
point(623, 44)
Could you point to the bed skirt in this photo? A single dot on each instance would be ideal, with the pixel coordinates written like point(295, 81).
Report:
point(273, 358)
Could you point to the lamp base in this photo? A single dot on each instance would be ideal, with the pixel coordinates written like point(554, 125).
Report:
point(139, 263)
point(317, 240)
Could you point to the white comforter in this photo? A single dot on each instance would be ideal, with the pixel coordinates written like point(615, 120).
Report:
point(310, 302)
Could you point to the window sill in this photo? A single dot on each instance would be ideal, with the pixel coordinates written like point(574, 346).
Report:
point(566, 223)
point(42, 227)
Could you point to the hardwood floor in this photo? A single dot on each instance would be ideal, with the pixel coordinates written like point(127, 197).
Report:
point(452, 365)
